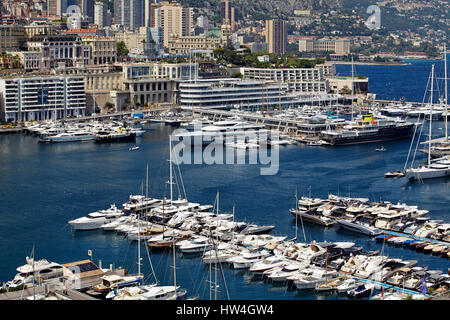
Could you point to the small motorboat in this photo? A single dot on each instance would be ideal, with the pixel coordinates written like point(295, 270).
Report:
point(381, 149)
point(383, 237)
point(429, 248)
point(409, 243)
point(421, 246)
point(134, 148)
point(363, 290)
point(394, 174)
point(437, 250)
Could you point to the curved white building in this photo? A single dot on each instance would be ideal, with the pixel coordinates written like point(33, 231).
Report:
point(230, 93)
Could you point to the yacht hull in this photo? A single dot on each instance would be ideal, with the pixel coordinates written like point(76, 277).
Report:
point(383, 134)
point(355, 227)
point(413, 175)
point(312, 219)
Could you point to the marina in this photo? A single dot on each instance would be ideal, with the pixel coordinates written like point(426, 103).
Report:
point(328, 254)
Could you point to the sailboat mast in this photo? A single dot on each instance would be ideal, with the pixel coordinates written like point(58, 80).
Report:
point(170, 168)
point(296, 214)
point(431, 114)
point(446, 95)
point(139, 236)
point(217, 209)
point(210, 281)
point(232, 230)
point(174, 268)
point(352, 86)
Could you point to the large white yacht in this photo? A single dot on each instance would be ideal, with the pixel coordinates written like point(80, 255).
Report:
point(40, 269)
point(232, 127)
point(160, 293)
point(71, 136)
point(95, 220)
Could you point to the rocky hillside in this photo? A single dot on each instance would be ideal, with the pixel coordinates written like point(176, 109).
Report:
point(266, 9)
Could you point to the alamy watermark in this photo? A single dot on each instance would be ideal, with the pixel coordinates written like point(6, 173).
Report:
point(374, 20)
point(73, 17)
point(254, 147)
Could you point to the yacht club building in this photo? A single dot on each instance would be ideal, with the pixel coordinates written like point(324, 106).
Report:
point(298, 80)
point(41, 98)
point(232, 93)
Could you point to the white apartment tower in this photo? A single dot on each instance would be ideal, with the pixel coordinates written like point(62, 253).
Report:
point(41, 98)
point(100, 14)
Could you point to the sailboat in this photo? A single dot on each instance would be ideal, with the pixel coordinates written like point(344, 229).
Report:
point(165, 292)
point(431, 170)
point(442, 148)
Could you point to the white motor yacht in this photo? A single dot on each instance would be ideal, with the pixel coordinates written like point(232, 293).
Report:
point(95, 220)
point(71, 136)
point(246, 259)
point(318, 277)
point(129, 293)
point(359, 225)
point(40, 270)
point(283, 272)
point(219, 256)
point(197, 245)
point(267, 264)
point(347, 285)
point(225, 129)
point(160, 293)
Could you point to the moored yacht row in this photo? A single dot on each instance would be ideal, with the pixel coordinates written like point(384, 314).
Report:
point(59, 132)
point(218, 239)
point(372, 218)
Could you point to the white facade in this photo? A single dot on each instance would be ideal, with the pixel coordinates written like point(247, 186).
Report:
point(31, 60)
point(155, 70)
point(68, 50)
point(340, 46)
point(41, 98)
point(100, 14)
point(231, 93)
point(299, 80)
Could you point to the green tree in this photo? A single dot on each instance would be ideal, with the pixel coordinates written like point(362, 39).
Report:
point(122, 49)
point(237, 75)
point(108, 106)
point(345, 90)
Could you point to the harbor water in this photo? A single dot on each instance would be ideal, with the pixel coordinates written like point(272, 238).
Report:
point(45, 185)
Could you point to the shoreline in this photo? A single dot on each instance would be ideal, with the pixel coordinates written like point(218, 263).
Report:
point(373, 63)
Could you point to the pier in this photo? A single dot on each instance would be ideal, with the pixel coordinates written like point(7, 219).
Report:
point(56, 290)
point(120, 114)
point(11, 130)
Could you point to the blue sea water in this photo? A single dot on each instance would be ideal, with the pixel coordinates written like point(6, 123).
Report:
point(393, 82)
point(45, 185)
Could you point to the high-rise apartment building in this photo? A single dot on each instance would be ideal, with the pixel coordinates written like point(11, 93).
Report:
point(41, 98)
point(100, 13)
point(276, 36)
point(228, 13)
point(87, 9)
point(129, 13)
point(174, 20)
point(56, 7)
